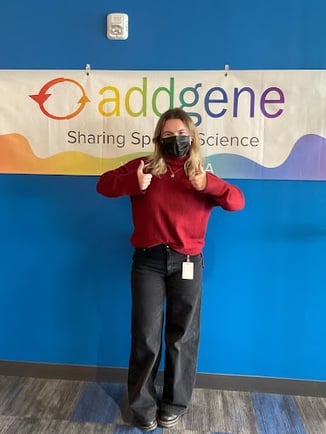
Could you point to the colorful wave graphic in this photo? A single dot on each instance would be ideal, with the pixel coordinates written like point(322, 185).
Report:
point(16, 156)
point(307, 161)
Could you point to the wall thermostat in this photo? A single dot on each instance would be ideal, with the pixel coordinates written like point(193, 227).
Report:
point(117, 26)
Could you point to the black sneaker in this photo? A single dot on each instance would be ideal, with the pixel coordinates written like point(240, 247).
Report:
point(168, 420)
point(146, 426)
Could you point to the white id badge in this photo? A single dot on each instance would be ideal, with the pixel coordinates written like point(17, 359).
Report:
point(187, 270)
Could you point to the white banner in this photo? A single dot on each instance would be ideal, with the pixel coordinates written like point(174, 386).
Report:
point(267, 124)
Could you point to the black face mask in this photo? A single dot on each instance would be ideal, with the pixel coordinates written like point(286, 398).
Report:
point(177, 146)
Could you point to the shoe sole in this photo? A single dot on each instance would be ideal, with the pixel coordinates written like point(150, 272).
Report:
point(165, 424)
point(147, 427)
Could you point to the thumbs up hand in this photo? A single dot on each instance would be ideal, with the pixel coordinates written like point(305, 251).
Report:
point(199, 179)
point(144, 179)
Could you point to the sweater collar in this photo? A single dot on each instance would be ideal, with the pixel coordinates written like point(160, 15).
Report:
point(175, 162)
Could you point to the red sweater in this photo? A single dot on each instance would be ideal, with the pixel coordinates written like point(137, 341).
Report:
point(170, 211)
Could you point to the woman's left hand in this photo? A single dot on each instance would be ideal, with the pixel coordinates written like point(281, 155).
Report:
point(199, 179)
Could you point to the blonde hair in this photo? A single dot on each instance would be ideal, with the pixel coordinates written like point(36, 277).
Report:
point(156, 163)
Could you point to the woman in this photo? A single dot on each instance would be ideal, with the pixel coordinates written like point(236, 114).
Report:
point(172, 197)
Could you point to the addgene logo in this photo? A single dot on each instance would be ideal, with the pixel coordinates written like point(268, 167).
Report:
point(51, 88)
point(64, 98)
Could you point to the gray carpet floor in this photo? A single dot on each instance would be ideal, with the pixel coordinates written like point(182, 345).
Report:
point(45, 406)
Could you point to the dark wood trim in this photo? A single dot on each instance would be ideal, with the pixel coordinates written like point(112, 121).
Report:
point(284, 386)
point(204, 381)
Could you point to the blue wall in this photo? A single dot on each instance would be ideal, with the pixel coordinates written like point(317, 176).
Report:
point(65, 257)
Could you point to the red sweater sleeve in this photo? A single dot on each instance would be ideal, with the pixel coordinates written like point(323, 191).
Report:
point(122, 181)
point(223, 194)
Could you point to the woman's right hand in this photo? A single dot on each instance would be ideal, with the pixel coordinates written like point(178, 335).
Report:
point(144, 179)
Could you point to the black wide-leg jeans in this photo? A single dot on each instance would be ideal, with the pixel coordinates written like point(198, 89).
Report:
point(157, 287)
